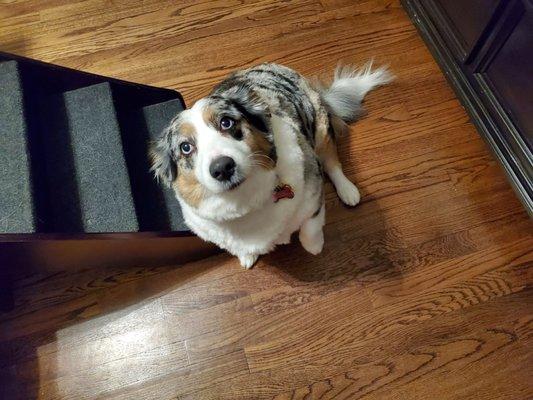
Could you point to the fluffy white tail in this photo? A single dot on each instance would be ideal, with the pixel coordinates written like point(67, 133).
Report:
point(350, 85)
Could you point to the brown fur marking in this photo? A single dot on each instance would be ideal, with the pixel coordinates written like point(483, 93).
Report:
point(326, 150)
point(187, 130)
point(210, 116)
point(189, 188)
point(340, 127)
point(186, 183)
point(260, 147)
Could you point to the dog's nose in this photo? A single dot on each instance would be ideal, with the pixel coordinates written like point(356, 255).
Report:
point(222, 168)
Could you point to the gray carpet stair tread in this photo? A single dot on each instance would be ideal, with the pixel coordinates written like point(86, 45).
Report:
point(16, 206)
point(74, 153)
point(157, 117)
point(104, 193)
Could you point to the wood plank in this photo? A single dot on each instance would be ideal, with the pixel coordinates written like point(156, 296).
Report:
point(340, 334)
point(381, 368)
point(413, 374)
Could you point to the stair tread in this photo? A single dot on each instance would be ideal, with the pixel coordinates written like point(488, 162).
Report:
point(104, 200)
point(16, 200)
point(157, 117)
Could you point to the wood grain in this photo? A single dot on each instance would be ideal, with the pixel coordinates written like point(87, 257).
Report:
point(423, 291)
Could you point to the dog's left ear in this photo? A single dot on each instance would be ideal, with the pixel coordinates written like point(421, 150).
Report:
point(252, 108)
point(163, 165)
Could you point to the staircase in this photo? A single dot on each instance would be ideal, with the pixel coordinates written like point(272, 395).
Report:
point(74, 152)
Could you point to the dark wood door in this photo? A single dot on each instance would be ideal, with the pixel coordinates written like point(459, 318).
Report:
point(509, 70)
point(468, 19)
point(486, 50)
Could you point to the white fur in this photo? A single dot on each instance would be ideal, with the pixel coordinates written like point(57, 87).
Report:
point(346, 189)
point(246, 221)
point(349, 87)
point(311, 234)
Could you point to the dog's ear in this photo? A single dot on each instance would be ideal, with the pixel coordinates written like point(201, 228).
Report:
point(163, 165)
point(254, 110)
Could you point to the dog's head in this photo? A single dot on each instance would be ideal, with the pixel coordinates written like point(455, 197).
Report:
point(215, 146)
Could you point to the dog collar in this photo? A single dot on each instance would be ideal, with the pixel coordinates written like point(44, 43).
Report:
point(282, 191)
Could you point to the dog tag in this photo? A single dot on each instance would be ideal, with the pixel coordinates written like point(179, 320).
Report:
point(283, 191)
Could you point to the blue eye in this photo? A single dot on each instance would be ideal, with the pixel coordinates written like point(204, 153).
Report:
point(186, 148)
point(226, 123)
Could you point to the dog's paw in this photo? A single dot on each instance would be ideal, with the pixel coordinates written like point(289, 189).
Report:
point(248, 260)
point(312, 243)
point(348, 193)
point(284, 239)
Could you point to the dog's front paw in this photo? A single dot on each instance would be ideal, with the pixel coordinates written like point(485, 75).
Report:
point(348, 193)
point(284, 238)
point(248, 260)
point(312, 243)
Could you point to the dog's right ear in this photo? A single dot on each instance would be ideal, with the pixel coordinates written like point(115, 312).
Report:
point(163, 164)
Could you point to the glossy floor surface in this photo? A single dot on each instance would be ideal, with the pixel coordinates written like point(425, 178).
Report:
point(423, 291)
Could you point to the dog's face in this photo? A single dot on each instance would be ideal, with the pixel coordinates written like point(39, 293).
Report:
point(214, 147)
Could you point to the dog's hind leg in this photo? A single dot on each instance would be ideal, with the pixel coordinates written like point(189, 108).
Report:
point(326, 150)
point(311, 233)
point(342, 100)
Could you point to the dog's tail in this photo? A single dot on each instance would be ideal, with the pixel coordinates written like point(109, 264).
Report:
point(344, 96)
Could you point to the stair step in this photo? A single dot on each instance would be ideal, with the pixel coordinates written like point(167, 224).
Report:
point(157, 117)
point(17, 214)
point(88, 181)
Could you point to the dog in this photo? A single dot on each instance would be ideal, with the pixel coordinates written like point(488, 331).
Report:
point(246, 162)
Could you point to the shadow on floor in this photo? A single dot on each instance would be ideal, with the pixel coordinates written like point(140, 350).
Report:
point(353, 250)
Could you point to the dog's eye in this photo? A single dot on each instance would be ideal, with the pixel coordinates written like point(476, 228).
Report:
point(186, 148)
point(226, 123)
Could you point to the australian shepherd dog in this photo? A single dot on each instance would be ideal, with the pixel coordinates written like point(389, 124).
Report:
point(247, 161)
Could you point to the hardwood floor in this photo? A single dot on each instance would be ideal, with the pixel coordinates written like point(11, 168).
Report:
point(424, 291)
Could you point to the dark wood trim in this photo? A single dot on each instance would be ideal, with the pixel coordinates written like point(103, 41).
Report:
point(30, 237)
point(485, 112)
point(73, 254)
